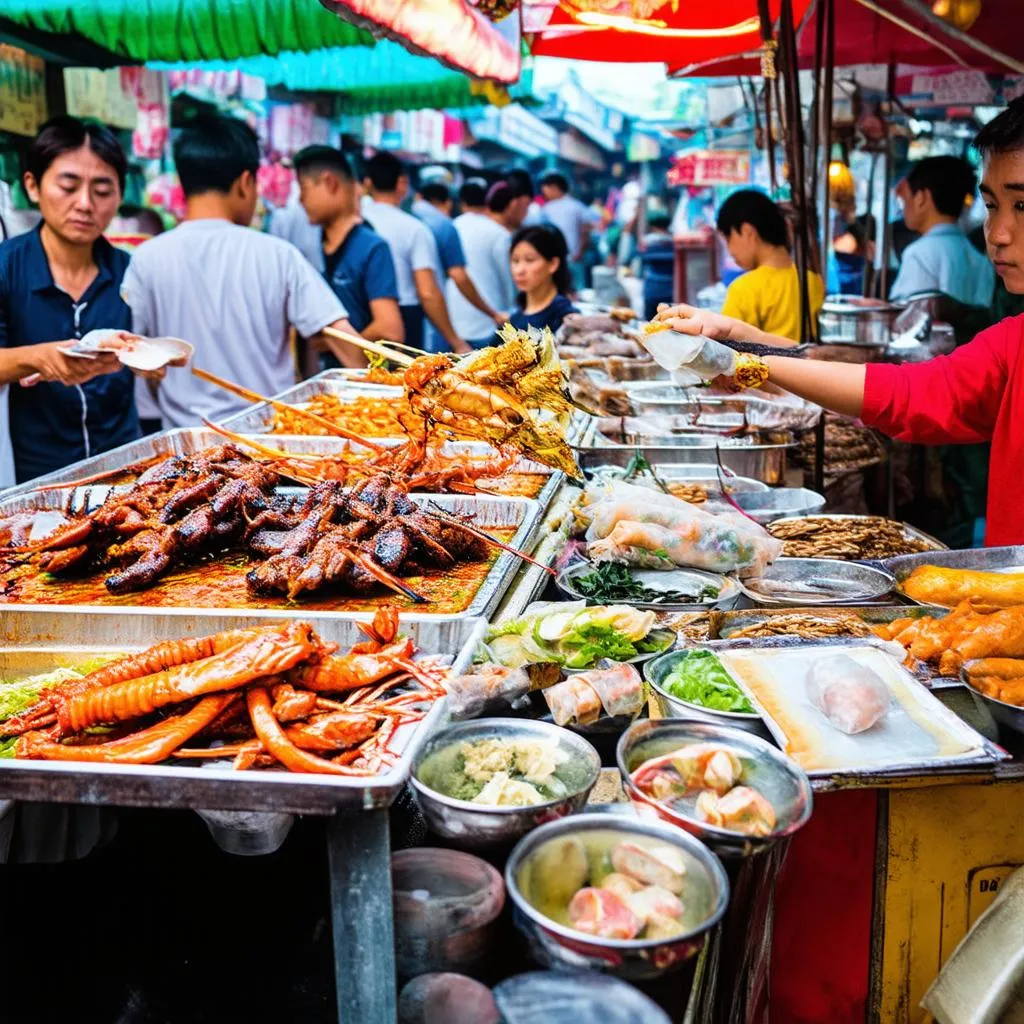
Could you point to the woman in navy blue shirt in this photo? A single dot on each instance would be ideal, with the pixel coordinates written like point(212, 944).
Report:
point(56, 284)
point(540, 270)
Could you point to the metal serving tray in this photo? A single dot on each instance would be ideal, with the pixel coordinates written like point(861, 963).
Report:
point(489, 512)
point(259, 419)
point(909, 531)
point(981, 752)
point(986, 559)
point(34, 637)
point(765, 462)
point(186, 440)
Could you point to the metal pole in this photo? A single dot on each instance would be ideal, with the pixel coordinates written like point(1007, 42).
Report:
point(868, 263)
point(359, 857)
point(887, 183)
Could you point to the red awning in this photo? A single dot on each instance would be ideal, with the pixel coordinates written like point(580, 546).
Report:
point(656, 31)
point(867, 36)
point(449, 30)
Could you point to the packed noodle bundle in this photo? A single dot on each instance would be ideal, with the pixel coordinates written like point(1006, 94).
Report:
point(638, 527)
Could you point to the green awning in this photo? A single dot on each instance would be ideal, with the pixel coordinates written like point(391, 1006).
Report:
point(185, 30)
point(378, 80)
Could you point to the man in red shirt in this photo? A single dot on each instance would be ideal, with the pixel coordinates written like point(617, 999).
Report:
point(974, 395)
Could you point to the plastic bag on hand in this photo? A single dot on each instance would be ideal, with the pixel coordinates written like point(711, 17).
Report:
point(701, 358)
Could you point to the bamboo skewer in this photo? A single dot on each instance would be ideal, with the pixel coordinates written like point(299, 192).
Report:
point(253, 396)
point(370, 346)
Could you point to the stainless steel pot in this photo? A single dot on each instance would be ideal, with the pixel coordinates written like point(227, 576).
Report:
point(851, 320)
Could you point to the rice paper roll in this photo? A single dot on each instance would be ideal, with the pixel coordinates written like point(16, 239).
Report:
point(573, 702)
point(620, 688)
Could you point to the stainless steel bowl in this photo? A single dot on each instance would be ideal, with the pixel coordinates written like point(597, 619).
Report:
point(849, 320)
point(766, 769)
point(477, 825)
point(780, 502)
point(558, 945)
point(817, 582)
point(655, 672)
point(1010, 716)
point(680, 579)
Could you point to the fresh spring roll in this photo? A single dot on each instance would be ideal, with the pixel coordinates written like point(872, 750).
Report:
point(573, 702)
point(620, 688)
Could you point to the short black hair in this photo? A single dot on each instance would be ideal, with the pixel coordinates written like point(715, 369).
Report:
point(213, 152)
point(317, 159)
point(146, 217)
point(658, 219)
point(473, 192)
point(384, 170)
point(500, 196)
point(560, 181)
point(64, 134)
point(550, 243)
point(436, 192)
point(520, 182)
point(1005, 132)
point(748, 206)
point(950, 180)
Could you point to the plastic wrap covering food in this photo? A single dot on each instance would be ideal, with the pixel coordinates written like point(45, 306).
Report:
point(848, 694)
point(639, 527)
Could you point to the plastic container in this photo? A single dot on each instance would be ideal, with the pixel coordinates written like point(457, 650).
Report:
point(445, 905)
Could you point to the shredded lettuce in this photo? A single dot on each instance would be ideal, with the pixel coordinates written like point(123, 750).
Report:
point(16, 697)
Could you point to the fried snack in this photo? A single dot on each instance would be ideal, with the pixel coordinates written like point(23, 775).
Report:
point(751, 371)
point(967, 634)
point(366, 415)
point(933, 584)
point(654, 327)
point(810, 627)
point(854, 537)
point(695, 494)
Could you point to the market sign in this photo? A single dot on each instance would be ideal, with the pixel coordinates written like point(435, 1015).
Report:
point(943, 88)
point(99, 96)
point(702, 167)
point(22, 91)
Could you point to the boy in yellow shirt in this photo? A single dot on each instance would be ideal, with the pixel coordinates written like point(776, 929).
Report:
point(768, 295)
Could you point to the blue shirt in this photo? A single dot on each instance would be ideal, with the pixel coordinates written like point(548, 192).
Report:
point(53, 425)
point(551, 315)
point(658, 261)
point(449, 245)
point(943, 260)
point(359, 271)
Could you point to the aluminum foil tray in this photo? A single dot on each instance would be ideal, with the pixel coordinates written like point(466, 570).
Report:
point(259, 419)
point(489, 512)
point(35, 637)
point(186, 440)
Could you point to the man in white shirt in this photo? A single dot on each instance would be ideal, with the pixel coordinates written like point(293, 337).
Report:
point(229, 290)
point(485, 242)
point(942, 259)
point(571, 217)
point(412, 248)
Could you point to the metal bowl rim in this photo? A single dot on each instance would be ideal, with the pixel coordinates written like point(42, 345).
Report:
point(965, 680)
point(728, 583)
point(648, 667)
point(547, 728)
point(774, 754)
point(831, 564)
point(617, 823)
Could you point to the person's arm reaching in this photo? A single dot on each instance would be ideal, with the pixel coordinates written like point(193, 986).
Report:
point(465, 285)
point(691, 320)
point(953, 399)
point(49, 361)
point(345, 352)
point(432, 300)
point(385, 323)
point(381, 285)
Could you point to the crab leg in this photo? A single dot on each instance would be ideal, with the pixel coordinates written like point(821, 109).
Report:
point(149, 746)
point(440, 513)
point(253, 396)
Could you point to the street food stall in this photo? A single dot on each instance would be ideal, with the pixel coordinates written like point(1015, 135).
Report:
point(651, 661)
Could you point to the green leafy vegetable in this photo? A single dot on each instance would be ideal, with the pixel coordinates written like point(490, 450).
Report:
point(16, 697)
point(700, 679)
point(610, 582)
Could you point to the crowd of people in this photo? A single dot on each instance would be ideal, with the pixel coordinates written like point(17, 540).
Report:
point(344, 255)
point(350, 253)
